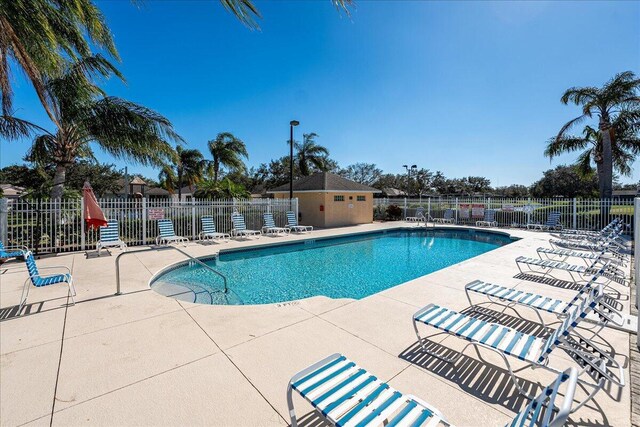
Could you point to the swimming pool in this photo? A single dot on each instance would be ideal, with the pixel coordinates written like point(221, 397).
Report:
point(353, 266)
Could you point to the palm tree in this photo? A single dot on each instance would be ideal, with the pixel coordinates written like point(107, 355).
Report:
point(84, 116)
point(227, 151)
point(188, 170)
point(224, 189)
point(248, 14)
point(625, 148)
point(311, 155)
point(617, 100)
point(40, 37)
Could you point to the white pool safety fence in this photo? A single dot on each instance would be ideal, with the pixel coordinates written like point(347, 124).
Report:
point(581, 214)
point(58, 226)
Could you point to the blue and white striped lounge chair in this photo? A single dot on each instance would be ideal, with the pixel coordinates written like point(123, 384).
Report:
point(240, 227)
point(292, 224)
point(37, 280)
point(570, 233)
point(168, 234)
point(532, 350)
point(553, 222)
point(270, 226)
point(611, 244)
point(418, 217)
point(209, 230)
point(12, 251)
point(489, 219)
point(546, 266)
point(511, 297)
point(110, 237)
point(344, 394)
point(562, 254)
point(447, 218)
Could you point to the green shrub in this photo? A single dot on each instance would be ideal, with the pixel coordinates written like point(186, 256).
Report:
point(394, 213)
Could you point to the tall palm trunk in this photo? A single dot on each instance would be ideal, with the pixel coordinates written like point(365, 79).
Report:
point(58, 181)
point(606, 186)
point(180, 184)
point(216, 168)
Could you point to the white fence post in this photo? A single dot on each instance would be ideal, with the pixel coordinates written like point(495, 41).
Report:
point(429, 206)
point(83, 236)
point(457, 208)
point(405, 208)
point(4, 220)
point(193, 219)
point(636, 251)
point(575, 214)
point(144, 220)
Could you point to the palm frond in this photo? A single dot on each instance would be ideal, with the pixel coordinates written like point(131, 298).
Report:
point(13, 128)
point(244, 10)
point(128, 130)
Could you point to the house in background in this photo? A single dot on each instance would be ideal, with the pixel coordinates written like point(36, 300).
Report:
point(138, 187)
point(11, 191)
point(329, 200)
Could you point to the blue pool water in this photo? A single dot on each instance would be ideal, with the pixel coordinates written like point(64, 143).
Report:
point(343, 267)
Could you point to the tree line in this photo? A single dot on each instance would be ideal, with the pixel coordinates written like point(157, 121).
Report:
point(66, 50)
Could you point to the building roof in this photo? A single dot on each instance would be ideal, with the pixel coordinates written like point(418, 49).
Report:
point(137, 181)
point(325, 181)
point(11, 191)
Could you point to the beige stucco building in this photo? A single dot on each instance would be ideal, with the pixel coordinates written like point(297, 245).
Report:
point(329, 200)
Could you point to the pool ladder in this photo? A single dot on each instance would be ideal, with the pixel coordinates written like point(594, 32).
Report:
point(191, 261)
point(426, 221)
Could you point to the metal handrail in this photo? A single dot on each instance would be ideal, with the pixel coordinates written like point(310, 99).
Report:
point(224, 278)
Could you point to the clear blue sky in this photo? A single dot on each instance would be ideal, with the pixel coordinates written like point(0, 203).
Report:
point(468, 88)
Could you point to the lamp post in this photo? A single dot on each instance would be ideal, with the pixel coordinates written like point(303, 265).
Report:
point(292, 124)
point(409, 169)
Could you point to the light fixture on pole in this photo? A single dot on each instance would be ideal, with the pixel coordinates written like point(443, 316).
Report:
point(409, 169)
point(292, 124)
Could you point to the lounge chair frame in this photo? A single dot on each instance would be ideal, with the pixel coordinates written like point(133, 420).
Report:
point(240, 228)
point(293, 226)
point(489, 219)
point(542, 410)
point(448, 218)
point(168, 234)
point(367, 406)
point(592, 360)
point(270, 227)
point(109, 239)
point(34, 274)
point(209, 231)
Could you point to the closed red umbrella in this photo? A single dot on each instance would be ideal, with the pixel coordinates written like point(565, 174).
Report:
point(93, 215)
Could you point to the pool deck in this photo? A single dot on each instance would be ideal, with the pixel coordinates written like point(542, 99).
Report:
point(144, 359)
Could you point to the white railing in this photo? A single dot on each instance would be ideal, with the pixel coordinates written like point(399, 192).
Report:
point(636, 261)
point(575, 213)
point(59, 226)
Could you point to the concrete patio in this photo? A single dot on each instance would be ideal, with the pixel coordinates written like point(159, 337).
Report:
point(144, 359)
